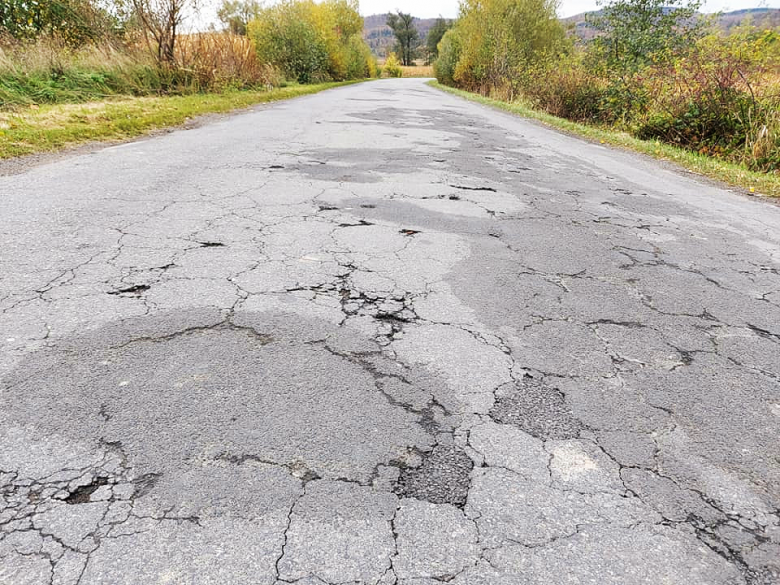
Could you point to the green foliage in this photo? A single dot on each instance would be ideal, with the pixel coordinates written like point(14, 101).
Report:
point(287, 37)
point(74, 21)
point(435, 35)
point(311, 42)
point(360, 62)
point(392, 67)
point(634, 32)
point(236, 14)
point(406, 35)
point(449, 55)
point(48, 72)
point(654, 72)
point(500, 38)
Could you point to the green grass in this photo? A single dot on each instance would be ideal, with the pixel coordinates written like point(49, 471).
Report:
point(53, 127)
point(735, 175)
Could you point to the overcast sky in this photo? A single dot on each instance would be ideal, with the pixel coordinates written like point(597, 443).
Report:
point(449, 8)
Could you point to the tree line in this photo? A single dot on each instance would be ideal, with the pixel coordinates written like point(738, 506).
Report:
point(305, 40)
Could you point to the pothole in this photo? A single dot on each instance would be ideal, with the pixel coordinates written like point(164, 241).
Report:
point(470, 188)
point(443, 477)
point(82, 494)
point(538, 409)
point(134, 290)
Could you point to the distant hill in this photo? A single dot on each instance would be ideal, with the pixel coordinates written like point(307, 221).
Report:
point(379, 36)
point(763, 17)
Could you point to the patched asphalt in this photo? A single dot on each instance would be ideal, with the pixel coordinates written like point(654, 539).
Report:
point(382, 335)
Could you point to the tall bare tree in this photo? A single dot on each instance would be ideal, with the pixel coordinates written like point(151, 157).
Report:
point(160, 21)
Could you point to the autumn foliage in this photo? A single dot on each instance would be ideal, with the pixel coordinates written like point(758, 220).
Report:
point(655, 69)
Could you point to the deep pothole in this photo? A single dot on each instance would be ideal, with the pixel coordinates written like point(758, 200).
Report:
point(538, 409)
point(442, 478)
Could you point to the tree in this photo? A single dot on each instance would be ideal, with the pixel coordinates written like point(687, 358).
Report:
point(502, 39)
point(406, 34)
point(236, 14)
point(160, 21)
point(312, 41)
point(449, 55)
point(72, 21)
point(633, 32)
point(435, 35)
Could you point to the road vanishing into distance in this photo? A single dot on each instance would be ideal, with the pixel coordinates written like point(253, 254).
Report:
point(384, 335)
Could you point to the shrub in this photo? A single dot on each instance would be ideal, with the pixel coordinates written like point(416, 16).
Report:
point(499, 38)
point(392, 67)
point(311, 42)
point(360, 62)
point(449, 54)
point(569, 90)
point(48, 71)
point(286, 37)
point(718, 99)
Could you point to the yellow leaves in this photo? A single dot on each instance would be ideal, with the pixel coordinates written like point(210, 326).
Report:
point(392, 67)
point(311, 41)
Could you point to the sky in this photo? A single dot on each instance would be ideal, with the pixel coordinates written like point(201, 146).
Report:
point(449, 8)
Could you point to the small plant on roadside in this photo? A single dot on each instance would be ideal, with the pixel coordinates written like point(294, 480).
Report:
point(392, 67)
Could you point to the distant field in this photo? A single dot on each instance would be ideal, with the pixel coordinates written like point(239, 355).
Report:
point(418, 71)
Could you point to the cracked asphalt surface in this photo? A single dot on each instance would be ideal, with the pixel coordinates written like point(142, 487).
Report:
point(381, 335)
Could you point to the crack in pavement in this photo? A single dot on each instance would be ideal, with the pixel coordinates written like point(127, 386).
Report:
point(430, 343)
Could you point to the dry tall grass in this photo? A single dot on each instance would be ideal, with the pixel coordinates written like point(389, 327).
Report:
point(222, 60)
point(47, 71)
point(417, 71)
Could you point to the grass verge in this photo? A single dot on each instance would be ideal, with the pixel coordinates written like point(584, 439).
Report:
point(53, 127)
point(737, 176)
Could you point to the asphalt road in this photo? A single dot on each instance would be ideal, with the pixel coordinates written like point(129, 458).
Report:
point(383, 335)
